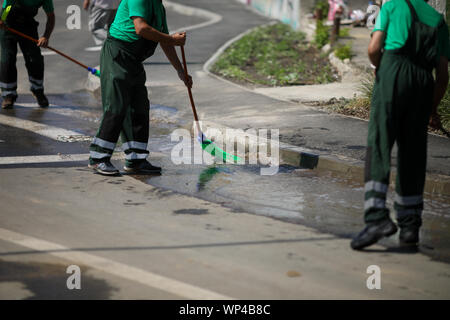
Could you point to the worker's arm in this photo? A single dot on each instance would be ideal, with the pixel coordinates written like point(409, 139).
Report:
point(144, 30)
point(440, 87)
point(86, 4)
point(375, 48)
point(43, 41)
point(171, 54)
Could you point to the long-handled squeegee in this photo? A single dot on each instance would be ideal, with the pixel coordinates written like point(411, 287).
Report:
point(206, 144)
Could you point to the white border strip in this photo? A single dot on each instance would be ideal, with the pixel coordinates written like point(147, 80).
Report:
point(79, 157)
point(191, 11)
point(44, 159)
point(147, 278)
point(51, 132)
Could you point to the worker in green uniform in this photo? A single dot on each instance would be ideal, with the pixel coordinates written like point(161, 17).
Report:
point(137, 29)
point(21, 17)
point(409, 41)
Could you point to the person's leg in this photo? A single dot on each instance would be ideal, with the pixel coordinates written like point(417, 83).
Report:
point(411, 163)
point(93, 24)
point(115, 91)
point(8, 71)
point(99, 23)
point(381, 137)
point(136, 130)
point(34, 62)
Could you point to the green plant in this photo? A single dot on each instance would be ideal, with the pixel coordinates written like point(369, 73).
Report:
point(360, 106)
point(323, 6)
point(274, 55)
point(321, 37)
point(343, 51)
point(444, 109)
point(344, 32)
point(366, 87)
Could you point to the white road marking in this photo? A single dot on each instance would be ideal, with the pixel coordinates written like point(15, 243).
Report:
point(117, 155)
point(211, 17)
point(147, 278)
point(55, 133)
point(51, 158)
point(163, 84)
point(17, 289)
point(44, 159)
point(96, 48)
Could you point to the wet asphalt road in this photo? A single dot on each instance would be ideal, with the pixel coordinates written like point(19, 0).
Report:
point(192, 223)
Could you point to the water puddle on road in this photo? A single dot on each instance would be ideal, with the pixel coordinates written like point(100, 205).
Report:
point(328, 203)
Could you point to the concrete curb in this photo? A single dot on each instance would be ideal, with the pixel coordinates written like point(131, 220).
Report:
point(322, 163)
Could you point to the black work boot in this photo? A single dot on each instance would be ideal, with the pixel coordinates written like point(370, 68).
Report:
point(105, 168)
point(409, 236)
point(40, 98)
point(142, 167)
point(373, 232)
point(409, 229)
point(8, 101)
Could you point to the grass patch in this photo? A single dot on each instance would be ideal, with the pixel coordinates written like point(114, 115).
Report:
point(322, 5)
point(274, 55)
point(344, 32)
point(444, 109)
point(343, 51)
point(357, 107)
point(322, 35)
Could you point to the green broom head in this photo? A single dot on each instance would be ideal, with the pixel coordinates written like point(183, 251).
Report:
point(214, 150)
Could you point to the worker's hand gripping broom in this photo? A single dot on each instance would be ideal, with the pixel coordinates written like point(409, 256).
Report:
point(206, 144)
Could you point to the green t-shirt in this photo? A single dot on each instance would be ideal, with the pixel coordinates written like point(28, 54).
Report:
point(152, 11)
point(395, 19)
point(47, 5)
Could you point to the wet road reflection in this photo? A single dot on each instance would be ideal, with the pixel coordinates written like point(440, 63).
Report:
point(326, 202)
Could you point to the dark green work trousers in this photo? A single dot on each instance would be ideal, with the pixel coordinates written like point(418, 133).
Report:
point(125, 105)
point(400, 110)
point(34, 61)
